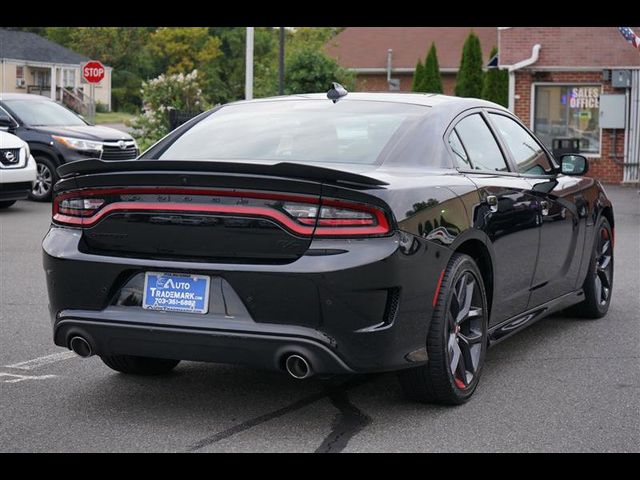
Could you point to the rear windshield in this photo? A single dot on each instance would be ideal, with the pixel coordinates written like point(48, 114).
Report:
point(297, 131)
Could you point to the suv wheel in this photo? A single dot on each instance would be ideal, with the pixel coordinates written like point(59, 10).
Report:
point(46, 177)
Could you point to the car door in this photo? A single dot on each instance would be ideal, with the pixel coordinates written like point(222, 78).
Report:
point(506, 212)
point(562, 228)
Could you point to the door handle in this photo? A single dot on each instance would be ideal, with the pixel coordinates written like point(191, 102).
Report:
point(544, 206)
point(492, 201)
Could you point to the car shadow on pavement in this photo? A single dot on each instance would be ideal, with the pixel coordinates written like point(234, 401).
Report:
point(219, 401)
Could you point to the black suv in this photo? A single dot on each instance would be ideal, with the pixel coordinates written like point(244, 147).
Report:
point(56, 135)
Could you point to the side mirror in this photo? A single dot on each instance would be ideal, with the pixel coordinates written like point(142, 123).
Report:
point(7, 124)
point(574, 164)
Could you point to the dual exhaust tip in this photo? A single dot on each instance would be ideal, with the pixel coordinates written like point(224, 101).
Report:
point(296, 365)
point(80, 346)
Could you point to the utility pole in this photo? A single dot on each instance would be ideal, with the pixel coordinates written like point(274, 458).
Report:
point(281, 64)
point(248, 80)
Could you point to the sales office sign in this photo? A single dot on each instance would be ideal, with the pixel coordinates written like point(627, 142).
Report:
point(584, 97)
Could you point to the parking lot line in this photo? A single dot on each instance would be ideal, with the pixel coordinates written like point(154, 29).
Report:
point(14, 378)
point(40, 361)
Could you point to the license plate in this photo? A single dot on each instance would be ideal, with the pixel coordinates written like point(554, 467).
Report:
point(174, 292)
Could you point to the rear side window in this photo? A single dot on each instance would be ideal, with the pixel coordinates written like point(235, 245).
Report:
point(458, 149)
point(482, 150)
point(529, 156)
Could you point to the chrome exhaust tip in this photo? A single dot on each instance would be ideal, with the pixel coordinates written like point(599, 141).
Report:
point(80, 347)
point(298, 367)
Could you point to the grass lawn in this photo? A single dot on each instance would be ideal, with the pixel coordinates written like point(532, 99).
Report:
point(113, 117)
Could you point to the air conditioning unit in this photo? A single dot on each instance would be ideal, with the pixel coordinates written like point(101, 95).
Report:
point(20, 83)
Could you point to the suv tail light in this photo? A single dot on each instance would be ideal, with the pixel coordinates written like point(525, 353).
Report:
point(303, 215)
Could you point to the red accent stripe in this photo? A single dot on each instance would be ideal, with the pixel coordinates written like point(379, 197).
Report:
point(180, 207)
point(381, 228)
point(437, 292)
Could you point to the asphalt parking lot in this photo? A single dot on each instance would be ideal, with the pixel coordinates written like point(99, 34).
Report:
point(564, 384)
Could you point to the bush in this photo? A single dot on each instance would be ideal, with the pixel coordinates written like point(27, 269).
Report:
point(178, 91)
point(418, 78)
point(431, 82)
point(311, 71)
point(125, 93)
point(101, 107)
point(496, 84)
point(469, 79)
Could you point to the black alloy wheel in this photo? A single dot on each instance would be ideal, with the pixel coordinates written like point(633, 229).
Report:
point(456, 340)
point(598, 285)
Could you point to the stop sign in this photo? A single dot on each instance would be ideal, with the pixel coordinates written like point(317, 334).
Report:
point(93, 71)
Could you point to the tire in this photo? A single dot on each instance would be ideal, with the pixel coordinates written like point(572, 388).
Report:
point(139, 365)
point(6, 204)
point(435, 382)
point(598, 285)
point(46, 178)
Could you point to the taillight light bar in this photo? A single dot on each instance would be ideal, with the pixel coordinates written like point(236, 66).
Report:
point(303, 215)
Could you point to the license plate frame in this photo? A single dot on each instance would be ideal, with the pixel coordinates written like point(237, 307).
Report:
point(174, 292)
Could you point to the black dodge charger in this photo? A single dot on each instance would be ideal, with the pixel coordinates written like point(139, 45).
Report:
point(357, 233)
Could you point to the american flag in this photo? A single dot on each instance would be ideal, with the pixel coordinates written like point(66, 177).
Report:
point(630, 37)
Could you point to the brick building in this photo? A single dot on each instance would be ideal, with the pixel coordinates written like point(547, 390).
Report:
point(374, 53)
point(578, 84)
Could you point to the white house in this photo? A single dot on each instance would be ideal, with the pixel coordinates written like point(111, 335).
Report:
point(32, 64)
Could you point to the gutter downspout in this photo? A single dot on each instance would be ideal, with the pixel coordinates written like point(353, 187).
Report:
point(389, 57)
point(535, 53)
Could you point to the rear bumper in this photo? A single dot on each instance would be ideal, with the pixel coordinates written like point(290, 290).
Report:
point(266, 350)
point(364, 309)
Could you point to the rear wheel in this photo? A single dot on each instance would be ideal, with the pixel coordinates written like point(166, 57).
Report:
point(46, 177)
point(6, 204)
point(139, 365)
point(456, 341)
point(598, 286)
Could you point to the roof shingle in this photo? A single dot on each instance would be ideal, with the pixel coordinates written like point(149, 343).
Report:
point(34, 48)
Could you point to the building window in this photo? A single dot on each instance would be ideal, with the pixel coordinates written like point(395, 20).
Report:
point(20, 83)
point(568, 111)
point(68, 77)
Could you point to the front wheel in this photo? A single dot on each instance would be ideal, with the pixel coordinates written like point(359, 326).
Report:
point(139, 365)
point(456, 340)
point(46, 177)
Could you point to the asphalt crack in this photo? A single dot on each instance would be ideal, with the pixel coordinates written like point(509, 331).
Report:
point(349, 421)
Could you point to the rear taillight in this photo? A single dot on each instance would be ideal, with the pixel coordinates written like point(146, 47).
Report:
point(80, 207)
point(303, 215)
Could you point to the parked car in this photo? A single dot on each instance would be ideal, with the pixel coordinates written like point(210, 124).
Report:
point(17, 170)
point(366, 233)
point(57, 135)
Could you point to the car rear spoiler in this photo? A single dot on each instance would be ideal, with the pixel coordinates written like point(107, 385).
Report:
point(283, 169)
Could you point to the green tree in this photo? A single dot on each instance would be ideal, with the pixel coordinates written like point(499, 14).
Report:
point(123, 48)
point(496, 84)
point(418, 77)
point(432, 82)
point(183, 49)
point(309, 70)
point(469, 79)
point(225, 76)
